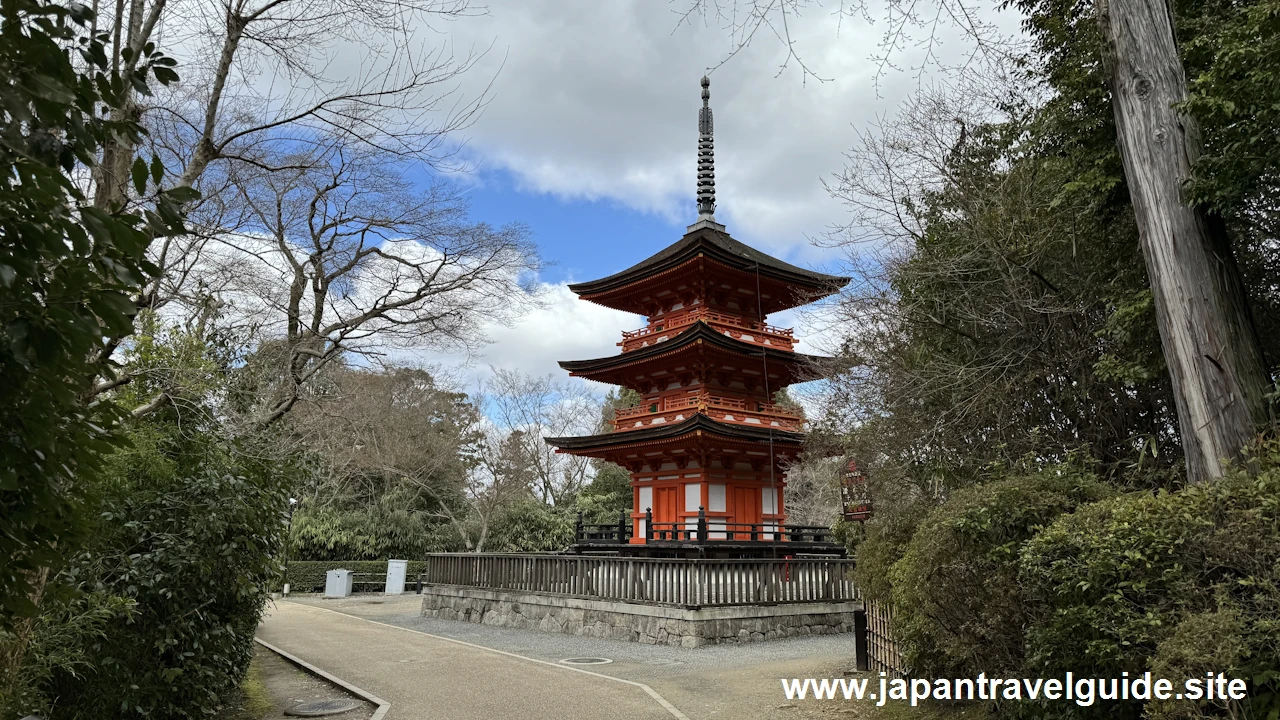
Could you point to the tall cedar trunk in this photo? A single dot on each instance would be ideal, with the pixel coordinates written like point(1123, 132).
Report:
point(1210, 343)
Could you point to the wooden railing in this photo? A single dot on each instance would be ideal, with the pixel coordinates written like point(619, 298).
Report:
point(735, 324)
point(689, 583)
point(618, 533)
point(702, 529)
point(766, 414)
point(713, 530)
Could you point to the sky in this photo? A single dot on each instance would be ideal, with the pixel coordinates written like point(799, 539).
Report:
point(590, 133)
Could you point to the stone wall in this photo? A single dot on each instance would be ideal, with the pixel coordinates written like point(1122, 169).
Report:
point(647, 624)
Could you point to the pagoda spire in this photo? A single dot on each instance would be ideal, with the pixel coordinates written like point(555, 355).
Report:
point(706, 160)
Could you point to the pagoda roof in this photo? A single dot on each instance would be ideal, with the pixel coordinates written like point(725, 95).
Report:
point(687, 341)
point(719, 246)
point(698, 424)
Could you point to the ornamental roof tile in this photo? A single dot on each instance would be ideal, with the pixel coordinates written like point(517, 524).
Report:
point(723, 248)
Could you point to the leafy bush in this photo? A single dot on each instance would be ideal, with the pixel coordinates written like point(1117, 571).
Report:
point(367, 534)
point(52, 646)
point(532, 526)
point(189, 535)
point(67, 274)
point(309, 575)
point(887, 535)
point(955, 593)
point(1176, 582)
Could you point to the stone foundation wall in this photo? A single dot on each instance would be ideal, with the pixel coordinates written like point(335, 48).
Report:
point(647, 624)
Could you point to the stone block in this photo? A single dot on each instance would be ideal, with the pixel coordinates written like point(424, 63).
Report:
point(643, 624)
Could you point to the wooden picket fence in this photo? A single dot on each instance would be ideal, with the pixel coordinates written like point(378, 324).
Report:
point(882, 651)
point(652, 581)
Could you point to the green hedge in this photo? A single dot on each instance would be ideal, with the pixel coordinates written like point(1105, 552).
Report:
point(309, 575)
point(1178, 583)
point(955, 590)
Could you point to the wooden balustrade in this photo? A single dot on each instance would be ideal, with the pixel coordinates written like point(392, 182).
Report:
point(681, 582)
point(674, 322)
point(788, 418)
point(700, 529)
point(710, 529)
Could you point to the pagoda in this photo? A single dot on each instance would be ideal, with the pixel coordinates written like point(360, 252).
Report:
point(707, 447)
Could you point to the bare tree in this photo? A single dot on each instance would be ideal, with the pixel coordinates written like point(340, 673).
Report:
point(341, 256)
point(397, 101)
point(259, 82)
point(499, 479)
point(812, 493)
point(539, 407)
point(1211, 345)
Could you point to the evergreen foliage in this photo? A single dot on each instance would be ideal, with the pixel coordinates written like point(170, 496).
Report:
point(367, 534)
point(310, 575)
point(67, 274)
point(1179, 583)
point(956, 590)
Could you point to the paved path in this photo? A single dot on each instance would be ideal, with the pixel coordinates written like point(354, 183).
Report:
point(715, 682)
point(423, 676)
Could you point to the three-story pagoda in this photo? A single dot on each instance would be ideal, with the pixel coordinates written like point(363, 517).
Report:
point(707, 447)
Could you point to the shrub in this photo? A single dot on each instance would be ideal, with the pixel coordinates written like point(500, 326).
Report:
point(887, 535)
point(367, 534)
point(532, 526)
point(955, 593)
point(1175, 582)
point(309, 575)
point(189, 535)
point(52, 646)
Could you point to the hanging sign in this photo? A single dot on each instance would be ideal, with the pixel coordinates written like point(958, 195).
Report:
point(854, 498)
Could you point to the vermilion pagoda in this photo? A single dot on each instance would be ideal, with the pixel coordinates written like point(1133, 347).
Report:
point(707, 447)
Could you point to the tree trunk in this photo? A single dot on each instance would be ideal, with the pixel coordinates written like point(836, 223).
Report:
point(1211, 346)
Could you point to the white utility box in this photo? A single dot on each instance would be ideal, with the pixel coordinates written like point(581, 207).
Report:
point(337, 583)
point(396, 572)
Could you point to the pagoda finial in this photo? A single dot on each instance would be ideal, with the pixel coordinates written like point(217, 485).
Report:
point(706, 157)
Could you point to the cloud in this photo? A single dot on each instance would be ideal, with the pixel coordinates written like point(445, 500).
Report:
point(599, 100)
point(564, 328)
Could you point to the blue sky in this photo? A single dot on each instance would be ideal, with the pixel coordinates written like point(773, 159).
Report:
point(581, 239)
point(589, 137)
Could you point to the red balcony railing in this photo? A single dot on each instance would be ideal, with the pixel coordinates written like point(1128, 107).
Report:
point(732, 325)
point(726, 409)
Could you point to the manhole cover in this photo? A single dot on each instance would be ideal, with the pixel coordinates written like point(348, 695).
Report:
point(320, 708)
point(586, 661)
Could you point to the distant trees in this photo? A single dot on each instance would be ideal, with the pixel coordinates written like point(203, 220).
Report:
point(406, 464)
point(1005, 317)
point(1210, 343)
point(393, 453)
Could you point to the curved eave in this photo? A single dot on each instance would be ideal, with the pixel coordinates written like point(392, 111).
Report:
point(685, 339)
point(722, 248)
point(652, 433)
